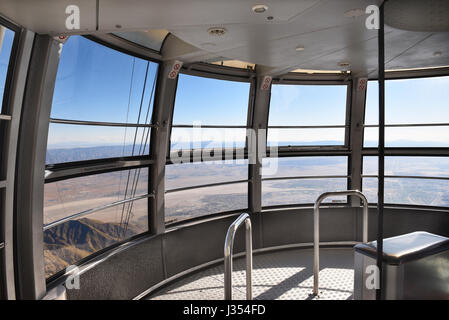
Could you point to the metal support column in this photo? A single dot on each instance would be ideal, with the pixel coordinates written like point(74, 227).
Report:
point(358, 97)
point(8, 159)
point(31, 167)
point(159, 146)
point(381, 149)
point(259, 123)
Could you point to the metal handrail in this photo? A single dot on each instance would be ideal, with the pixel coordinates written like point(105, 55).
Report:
point(229, 244)
point(316, 228)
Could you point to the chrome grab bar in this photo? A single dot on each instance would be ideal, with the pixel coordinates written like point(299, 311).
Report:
point(316, 228)
point(229, 244)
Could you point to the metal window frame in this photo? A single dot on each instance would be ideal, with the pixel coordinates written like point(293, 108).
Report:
point(88, 212)
point(69, 170)
point(10, 111)
point(341, 80)
point(204, 70)
point(29, 183)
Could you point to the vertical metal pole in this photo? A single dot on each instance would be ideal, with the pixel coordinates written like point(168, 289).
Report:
point(31, 153)
point(316, 245)
point(381, 148)
point(8, 159)
point(229, 244)
point(160, 140)
point(249, 259)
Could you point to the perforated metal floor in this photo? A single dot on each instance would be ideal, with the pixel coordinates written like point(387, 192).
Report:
point(283, 275)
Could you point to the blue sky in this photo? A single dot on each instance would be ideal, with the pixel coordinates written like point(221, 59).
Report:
point(97, 83)
point(5, 52)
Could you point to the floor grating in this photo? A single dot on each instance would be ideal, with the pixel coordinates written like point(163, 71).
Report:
point(283, 275)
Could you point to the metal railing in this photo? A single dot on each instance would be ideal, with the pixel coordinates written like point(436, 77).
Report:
point(316, 228)
point(229, 244)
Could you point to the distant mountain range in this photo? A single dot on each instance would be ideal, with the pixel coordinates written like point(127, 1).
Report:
point(71, 241)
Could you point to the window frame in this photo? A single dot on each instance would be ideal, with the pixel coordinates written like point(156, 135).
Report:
point(5, 103)
point(69, 170)
point(203, 72)
point(346, 126)
point(405, 151)
point(405, 75)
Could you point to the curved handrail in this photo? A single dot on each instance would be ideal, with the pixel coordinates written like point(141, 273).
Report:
point(229, 244)
point(316, 228)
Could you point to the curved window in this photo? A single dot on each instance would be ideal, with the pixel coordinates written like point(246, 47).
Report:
point(209, 115)
point(416, 113)
point(409, 180)
point(307, 115)
point(300, 180)
point(102, 109)
point(102, 98)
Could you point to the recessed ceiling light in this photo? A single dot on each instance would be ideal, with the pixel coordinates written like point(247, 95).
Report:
point(260, 8)
point(217, 31)
point(354, 13)
point(437, 53)
point(300, 48)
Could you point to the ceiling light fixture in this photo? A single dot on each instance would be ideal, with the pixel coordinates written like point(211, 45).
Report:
point(300, 48)
point(217, 31)
point(437, 54)
point(260, 8)
point(344, 65)
point(353, 13)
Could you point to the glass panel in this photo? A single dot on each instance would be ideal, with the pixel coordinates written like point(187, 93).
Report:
point(6, 42)
point(182, 205)
point(285, 192)
point(188, 138)
point(67, 243)
point(294, 105)
point(71, 196)
point(410, 191)
point(372, 102)
point(370, 165)
point(409, 166)
point(96, 83)
point(369, 189)
point(210, 101)
point(307, 166)
point(421, 100)
point(67, 142)
point(200, 173)
point(306, 137)
point(430, 137)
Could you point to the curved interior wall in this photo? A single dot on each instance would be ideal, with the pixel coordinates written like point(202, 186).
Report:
point(127, 271)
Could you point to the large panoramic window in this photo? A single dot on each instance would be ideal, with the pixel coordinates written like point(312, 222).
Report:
point(409, 180)
point(209, 113)
point(307, 115)
point(300, 180)
point(102, 110)
point(6, 44)
point(102, 103)
point(416, 113)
